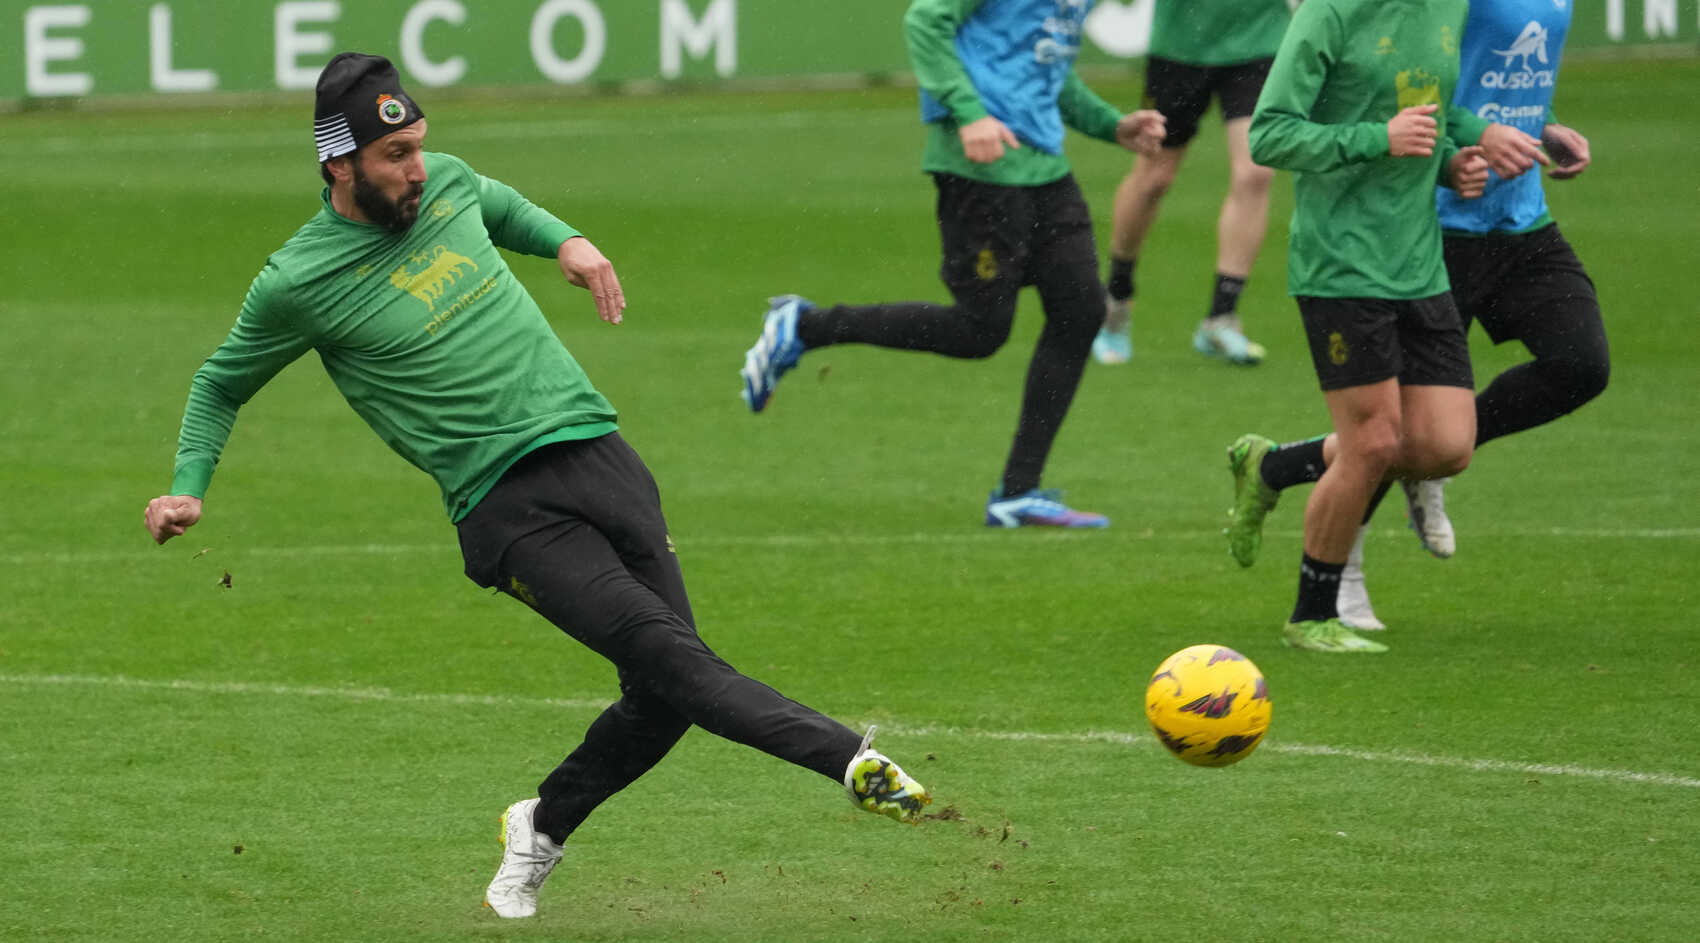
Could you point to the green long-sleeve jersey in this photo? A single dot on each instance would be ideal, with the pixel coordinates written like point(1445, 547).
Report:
point(426, 333)
point(1217, 32)
point(931, 28)
point(1364, 222)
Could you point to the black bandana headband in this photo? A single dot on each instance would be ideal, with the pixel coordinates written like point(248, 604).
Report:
point(359, 99)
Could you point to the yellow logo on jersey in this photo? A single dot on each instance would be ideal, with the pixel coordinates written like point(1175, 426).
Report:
point(1416, 87)
point(1448, 42)
point(1384, 46)
point(1338, 353)
point(436, 271)
point(987, 265)
point(441, 208)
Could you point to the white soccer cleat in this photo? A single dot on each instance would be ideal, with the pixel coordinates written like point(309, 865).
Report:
point(1352, 602)
point(527, 858)
point(1425, 508)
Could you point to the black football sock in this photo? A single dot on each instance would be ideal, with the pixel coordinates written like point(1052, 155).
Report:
point(1319, 589)
point(1121, 279)
point(1226, 297)
point(1295, 463)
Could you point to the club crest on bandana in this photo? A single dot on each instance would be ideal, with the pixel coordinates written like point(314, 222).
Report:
point(391, 110)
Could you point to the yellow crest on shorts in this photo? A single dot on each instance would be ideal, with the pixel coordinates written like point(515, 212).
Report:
point(521, 592)
point(1338, 353)
point(986, 266)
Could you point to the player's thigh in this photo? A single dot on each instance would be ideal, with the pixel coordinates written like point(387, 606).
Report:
point(1238, 86)
point(1064, 266)
point(1547, 301)
point(986, 236)
point(613, 488)
point(1353, 341)
point(1434, 350)
point(1182, 93)
point(1438, 431)
point(571, 575)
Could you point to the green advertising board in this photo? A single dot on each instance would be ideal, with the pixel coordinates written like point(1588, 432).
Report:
point(173, 47)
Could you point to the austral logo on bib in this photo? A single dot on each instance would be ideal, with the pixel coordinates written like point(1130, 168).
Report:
point(1530, 43)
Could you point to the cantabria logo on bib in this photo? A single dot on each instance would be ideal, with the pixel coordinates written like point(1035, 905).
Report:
point(428, 273)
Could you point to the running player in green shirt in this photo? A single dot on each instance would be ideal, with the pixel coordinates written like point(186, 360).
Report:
point(397, 284)
point(1200, 49)
point(1356, 105)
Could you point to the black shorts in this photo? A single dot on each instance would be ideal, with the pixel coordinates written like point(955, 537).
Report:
point(1360, 341)
point(1523, 285)
point(997, 239)
point(1182, 92)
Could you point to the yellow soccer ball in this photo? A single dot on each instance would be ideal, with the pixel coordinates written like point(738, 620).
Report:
point(1208, 704)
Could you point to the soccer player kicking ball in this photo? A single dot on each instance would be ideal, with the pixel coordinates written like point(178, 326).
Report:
point(1353, 105)
point(396, 282)
point(997, 89)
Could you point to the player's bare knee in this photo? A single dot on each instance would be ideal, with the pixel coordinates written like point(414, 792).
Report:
point(1437, 458)
point(1152, 181)
point(1379, 456)
point(1455, 461)
point(1250, 181)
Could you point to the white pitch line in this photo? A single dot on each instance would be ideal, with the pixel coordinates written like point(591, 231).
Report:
point(386, 695)
point(936, 538)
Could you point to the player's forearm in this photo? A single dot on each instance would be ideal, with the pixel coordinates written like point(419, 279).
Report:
point(929, 29)
point(1463, 126)
point(1287, 141)
point(208, 417)
point(1083, 110)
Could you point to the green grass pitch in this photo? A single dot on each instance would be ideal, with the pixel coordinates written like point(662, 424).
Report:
point(320, 750)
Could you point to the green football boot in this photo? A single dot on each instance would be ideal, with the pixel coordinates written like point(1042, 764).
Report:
point(1327, 635)
point(1253, 498)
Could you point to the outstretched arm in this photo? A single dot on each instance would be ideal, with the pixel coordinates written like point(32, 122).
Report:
point(263, 341)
